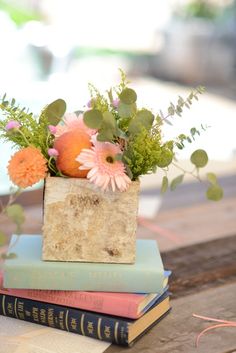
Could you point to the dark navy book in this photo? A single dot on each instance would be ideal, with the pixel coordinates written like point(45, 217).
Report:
point(109, 328)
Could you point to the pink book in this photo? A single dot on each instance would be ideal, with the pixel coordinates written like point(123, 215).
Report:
point(128, 305)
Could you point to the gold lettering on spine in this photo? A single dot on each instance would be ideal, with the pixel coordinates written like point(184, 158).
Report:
point(107, 331)
point(21, 310)
point(99, 328)
point(66, 319)
point(3, 305)
point(35, 314)
point(61, 319)
point(42, 315)
point(10, 309)
point(116, 331)
point(82, 324)
point(90, 327)
point(50, 317)
point(74, 324)
point(15, 308)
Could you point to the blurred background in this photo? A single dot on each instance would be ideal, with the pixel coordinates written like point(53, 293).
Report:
point(52, 49)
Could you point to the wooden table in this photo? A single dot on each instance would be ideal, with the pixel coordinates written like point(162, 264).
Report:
point(203, 262)
point(203, 282)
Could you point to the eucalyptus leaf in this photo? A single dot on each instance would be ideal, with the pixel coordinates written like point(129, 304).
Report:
point(109, 122)
point(143, 119)
point(126, 110)
point(3, 238)
point(55, 111)
point(214, 193)
point(9, 256)
point(164, 185)
point(128, 96)
point(211, 177)
point(166, 158)
point(179, 145)
point(199, 158)
point(16, 214)
point(168, 122)
point(93, 118)
point(159, 120)
point(105, 135)
point(176, 181)
point(120, 133)
point(78, 112)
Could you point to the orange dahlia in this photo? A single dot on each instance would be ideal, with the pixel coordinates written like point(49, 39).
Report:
point(27, 167)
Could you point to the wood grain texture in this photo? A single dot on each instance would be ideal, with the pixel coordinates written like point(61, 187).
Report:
point(201, 266)
point(82, 223)
point(178, 331)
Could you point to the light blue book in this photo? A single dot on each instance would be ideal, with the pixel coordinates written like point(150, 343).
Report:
point(29, 271)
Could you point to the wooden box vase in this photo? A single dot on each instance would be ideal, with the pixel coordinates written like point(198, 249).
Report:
point(83, 223)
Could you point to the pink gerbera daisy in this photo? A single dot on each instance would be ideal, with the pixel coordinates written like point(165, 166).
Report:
point(104, 170)
point(72, 122)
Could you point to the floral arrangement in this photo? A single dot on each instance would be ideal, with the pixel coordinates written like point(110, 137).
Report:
point(112, 143)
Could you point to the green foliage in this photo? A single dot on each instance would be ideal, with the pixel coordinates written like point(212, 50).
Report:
point(176, 181)
point(55, 111)
point(167, 155)
point(19, 13)
point(211, 177)
point(182, 138)
point(3, 238)
point(126, 110)
point(98, 101)
point(145, 152)
point(9, 256)
point(202, 9)
point(93, 118)
point(177, 109)
point(12, 112)
point(143, 119)
point(109, 128)
point(15, 213)
point(123, 83)
point(164, 184)
point(199, 158)
point(214, 193)
point(138, 132)
point(128, 96)
point(32, 131)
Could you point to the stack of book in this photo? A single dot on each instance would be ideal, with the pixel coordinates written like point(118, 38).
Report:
point(117, 303)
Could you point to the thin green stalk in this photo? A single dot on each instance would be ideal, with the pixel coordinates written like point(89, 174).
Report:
point(187, 172)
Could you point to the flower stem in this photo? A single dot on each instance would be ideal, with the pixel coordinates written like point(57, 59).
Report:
point(22, 134)
point(51, 166)
point(187, 172)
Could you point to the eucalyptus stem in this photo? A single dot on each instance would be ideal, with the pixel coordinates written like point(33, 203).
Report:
point(187, 172)
point(15, 242)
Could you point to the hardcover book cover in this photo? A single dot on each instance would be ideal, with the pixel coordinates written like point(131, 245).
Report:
point(103, 327)
point(27, 270)
point(130, 305)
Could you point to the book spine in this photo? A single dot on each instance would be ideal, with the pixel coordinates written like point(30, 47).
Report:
point(72, 320)
point(91, 301)
point(97, 280)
